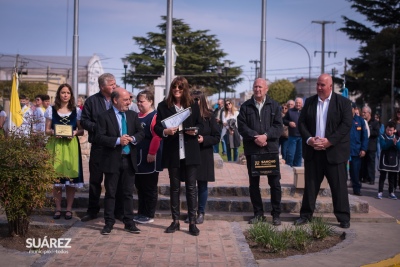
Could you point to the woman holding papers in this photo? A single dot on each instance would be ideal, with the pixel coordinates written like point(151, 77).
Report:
point(65, 146)
point(181, 151)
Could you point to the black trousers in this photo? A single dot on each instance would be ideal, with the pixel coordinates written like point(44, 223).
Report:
point(95, 180)
point(368, 167)
point(147, 190)
point(255, 194)
point(336, 174)
point(126, 178)
point(186, 173)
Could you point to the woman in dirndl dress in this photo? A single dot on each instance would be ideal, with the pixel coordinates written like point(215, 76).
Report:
point(66, 149)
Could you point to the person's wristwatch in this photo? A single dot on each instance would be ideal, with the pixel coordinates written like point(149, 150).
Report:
point(266, 135)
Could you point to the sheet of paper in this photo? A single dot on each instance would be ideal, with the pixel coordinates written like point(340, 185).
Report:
point(176, 119)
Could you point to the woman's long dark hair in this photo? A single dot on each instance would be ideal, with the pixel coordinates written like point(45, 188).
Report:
point(183, 84)
point(71, 103)
point(205, 112)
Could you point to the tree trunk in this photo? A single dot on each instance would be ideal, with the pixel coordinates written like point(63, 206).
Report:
point(18, 227)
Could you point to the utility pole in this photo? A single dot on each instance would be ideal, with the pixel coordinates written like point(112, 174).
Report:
point(323, 22)
point(393, 76)
point(168, 67)
point(263, 45)
point(75, 50)
point(256, 63)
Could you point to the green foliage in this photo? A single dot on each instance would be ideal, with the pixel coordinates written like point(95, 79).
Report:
point(300, 238)
point(282, 91)
point(373, 67)
point(320, 229)
point(26, 174)
point(199, 55)
point(296, 237)
point(30, 89)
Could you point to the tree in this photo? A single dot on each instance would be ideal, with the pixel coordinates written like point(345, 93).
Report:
point(371, 71)
point(282, 91)
point(199, 56)
point(29, 89)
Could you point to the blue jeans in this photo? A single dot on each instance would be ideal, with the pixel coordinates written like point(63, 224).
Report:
point(294, 151)
point(216, 147)
point(202, 194)
point(229, 150)
point(283, 142)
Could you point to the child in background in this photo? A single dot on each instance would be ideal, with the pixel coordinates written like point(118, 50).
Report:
point(389, 159)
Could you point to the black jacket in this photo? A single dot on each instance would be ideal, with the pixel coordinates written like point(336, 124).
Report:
point(250, 125)
point(93, 106)
point(292, 114)
point(211, 137)
point(107, 133)
point(170, 156)
point(374, 128)
point(338, 124)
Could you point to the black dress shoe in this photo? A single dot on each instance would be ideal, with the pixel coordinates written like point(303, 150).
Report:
point(173, 227)
point(106, 230)
point(301, 221)
point(358, 194)
point(371, 183)
point(132, 228)
point(193, 230)
point(276, 221)
point(200, 218)
point(344, 224)
point(88, 217)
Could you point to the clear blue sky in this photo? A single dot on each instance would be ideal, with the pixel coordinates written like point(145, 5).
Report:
point(45, 27)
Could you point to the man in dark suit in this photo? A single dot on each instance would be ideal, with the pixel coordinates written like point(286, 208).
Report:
point(325, 122)
point(94, 105)
point(118, 130)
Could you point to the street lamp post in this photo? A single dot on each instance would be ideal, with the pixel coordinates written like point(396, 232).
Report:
point(226, 68)
point(309, 63)
point(219, 72)
point(132, 70)
point(126, 62)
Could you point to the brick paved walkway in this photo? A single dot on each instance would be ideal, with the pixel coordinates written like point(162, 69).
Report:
point(215, 246)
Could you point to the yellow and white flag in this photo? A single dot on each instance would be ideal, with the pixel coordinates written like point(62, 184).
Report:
point(15, 119)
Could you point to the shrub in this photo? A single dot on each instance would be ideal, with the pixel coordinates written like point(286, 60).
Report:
point(297, 237)
point(26, 175)
point(320, 229)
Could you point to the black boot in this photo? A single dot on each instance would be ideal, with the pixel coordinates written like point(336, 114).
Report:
point(193, 230)
point(173, 227)
point(200, 218)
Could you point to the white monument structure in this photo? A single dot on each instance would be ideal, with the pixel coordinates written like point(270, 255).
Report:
point(159, 84)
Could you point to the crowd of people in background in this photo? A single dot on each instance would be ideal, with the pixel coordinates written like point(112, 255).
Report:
point(130, 145)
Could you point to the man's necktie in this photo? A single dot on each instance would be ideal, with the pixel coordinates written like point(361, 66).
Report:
point(124, 129)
